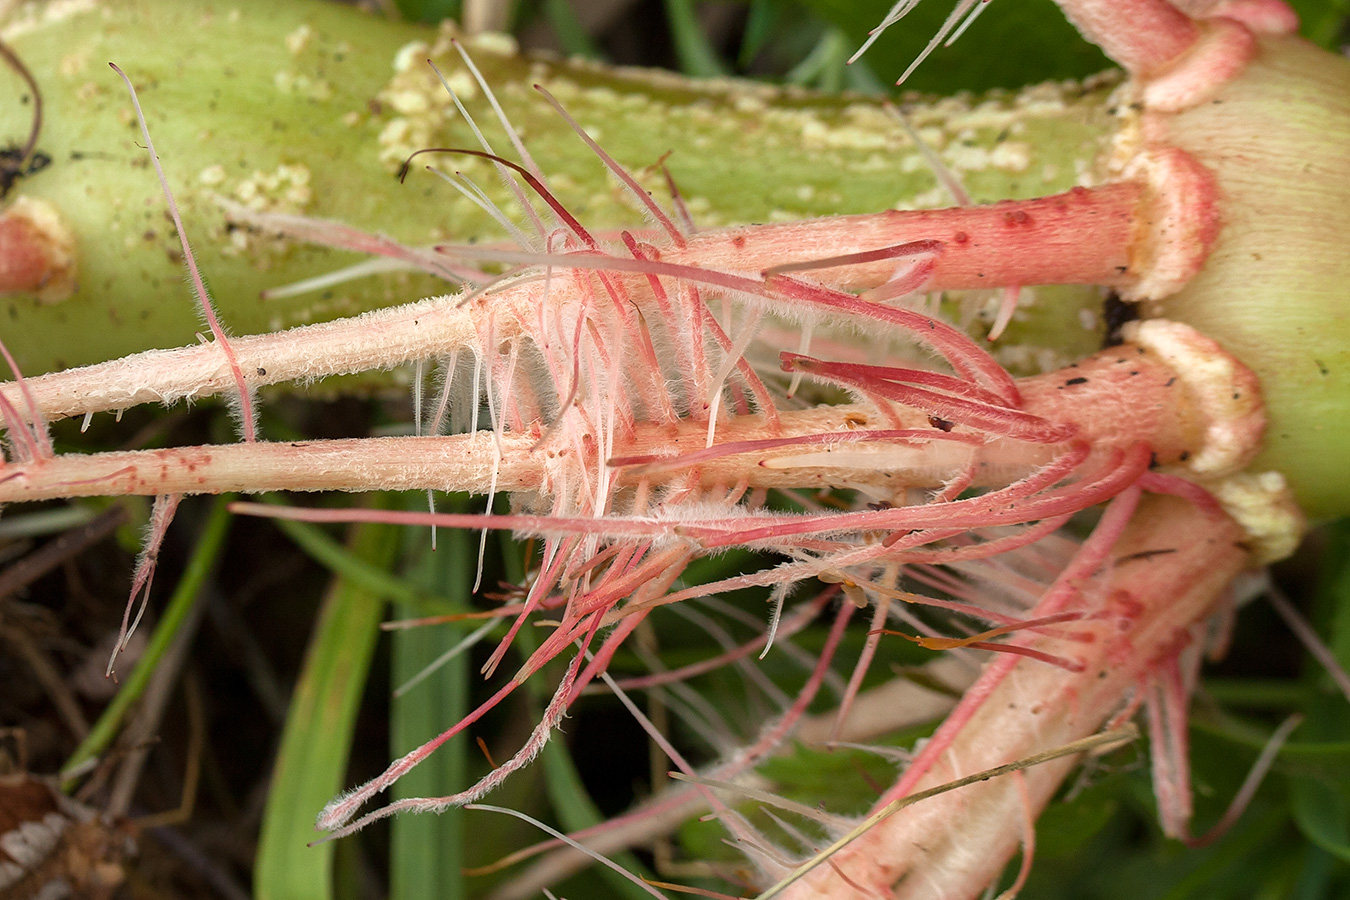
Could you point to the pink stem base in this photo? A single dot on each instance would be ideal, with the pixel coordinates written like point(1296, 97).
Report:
point(1164, 574)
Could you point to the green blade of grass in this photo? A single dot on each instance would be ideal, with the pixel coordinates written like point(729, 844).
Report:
point(576, 810)
point(571, 33)
point(429, 11)
point(180, 604)
point(328, 553)
point(697, 57)
point(312, 763)
point(427, 852)
point(567, 794)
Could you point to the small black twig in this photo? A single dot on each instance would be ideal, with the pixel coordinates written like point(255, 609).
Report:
point(16, 162)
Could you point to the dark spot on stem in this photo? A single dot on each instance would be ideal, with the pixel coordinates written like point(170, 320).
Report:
point(1145, 554)
point(1079, 380)
point(1116, 312)
point(17, 161)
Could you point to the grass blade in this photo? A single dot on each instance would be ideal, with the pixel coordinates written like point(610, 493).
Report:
point(312, 763)
point(427, 852)
point(180, 604)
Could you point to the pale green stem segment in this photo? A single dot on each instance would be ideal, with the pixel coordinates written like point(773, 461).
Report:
point(312, 762)
point(184, 598)
point(308, 108)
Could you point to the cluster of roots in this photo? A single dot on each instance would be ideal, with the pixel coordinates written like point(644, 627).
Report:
point(633, 393)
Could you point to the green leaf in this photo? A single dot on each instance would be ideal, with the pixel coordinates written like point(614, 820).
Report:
point(571, 33)
point(184, 598)
point(1322, 21)
point(844, 781)
point(1012, 44)
point(697, 57)
point(312, 763)
point(427, 851)
point(429, 11)
point(1323, 814)
point(760, 25)
point(1333, 592)
point(426, 598)
point(1064, 828)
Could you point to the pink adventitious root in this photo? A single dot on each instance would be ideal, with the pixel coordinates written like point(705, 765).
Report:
point(624, 416)
point(1111, 401)
point(1143, 584)
point(1143, 36)
point(1085, 236)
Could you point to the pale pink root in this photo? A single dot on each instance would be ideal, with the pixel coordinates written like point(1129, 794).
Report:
point(1224, 48)
point(897, 704)
point(1168, 697)
point(1121, 395)
point(1142, 602)
point(160, 517)
point(1082, 236)
point(979, 415)
point(376, 340)
point(467, 462)
point(787, 295)
point(1111, 399)
point(1261, 16)
point(792, 623)
point(1030, 499)
point(635, 189)
point(1142, 36)
point(1180, 62)
point(32, 443)
point(880, 612)
point(23, 442)
point(344, 237)
point(618, 833)
point(336, 817)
